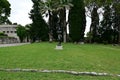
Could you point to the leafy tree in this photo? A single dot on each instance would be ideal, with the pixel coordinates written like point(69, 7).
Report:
point(28, 32)
point(4, 11)
point(39, 29)
point(111, 21)
point(107, 25)
point(92, 9)
point(94, 24)
point(21, 32)
point(77, 20)
point(116, 21)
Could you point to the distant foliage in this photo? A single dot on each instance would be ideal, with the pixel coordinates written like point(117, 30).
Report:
point(21, 32)
point(108, 30)
point(2, 34)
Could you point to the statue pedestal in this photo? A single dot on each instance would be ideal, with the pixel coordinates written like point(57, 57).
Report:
point(59, 47)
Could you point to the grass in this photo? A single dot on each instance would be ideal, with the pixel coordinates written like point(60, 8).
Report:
point(91, 58)
point(48, 76)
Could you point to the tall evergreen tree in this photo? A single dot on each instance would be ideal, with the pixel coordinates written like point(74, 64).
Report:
point(107, 25)
point(92, 8)
point(94, 24)
point(116, 21)
point(77, 20)
point(92, 12)
point(39, 29)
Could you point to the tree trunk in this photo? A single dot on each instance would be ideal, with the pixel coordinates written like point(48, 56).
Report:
point(119, 34)
point(94, 24)
point(63, 23)
point(50, 28)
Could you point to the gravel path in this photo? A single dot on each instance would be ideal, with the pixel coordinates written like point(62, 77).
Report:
point(15, 44)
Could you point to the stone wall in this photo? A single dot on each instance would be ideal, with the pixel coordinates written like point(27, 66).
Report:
point(8, 40)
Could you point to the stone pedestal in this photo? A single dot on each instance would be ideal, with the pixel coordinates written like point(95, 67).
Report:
point(59, 47)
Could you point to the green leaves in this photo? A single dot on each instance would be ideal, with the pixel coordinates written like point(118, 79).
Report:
point(4, 11)
point(98, 2)
point(77, 21)
point(54, 5)
point(21, 32)
point(39, 28)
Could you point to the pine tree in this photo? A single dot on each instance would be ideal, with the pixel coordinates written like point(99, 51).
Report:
point(39, 29)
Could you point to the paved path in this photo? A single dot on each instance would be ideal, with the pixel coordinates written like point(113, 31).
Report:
point(59, 71)
point(15, 44)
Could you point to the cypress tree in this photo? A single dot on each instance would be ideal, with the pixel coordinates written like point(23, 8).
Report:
point(77, 21)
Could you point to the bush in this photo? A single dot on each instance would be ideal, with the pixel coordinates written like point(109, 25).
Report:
point(2, 34)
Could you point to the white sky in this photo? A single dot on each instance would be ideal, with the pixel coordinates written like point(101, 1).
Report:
point(20, 10)
point(88, 23)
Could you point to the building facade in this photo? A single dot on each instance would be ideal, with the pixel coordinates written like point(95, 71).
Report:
point(11, 31)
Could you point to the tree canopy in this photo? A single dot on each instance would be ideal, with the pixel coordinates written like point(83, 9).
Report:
point(21, 32)
point(38, 27)
point(77, 21)
point(4, 11)
point(55, 10)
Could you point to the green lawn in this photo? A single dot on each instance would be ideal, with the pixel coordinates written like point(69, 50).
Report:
point(91, 58)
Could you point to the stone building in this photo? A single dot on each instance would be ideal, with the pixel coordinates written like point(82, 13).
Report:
point(10, 30)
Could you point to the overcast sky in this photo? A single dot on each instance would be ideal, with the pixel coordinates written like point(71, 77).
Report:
point(20, 10)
